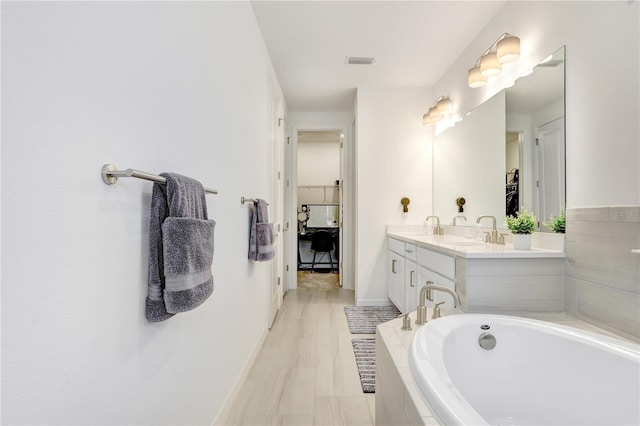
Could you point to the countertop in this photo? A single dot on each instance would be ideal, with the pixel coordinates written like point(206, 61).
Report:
point(455, 245)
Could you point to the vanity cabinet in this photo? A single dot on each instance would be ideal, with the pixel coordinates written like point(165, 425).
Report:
point(395, 280)
point(488, 278)
point(411, 284)
point(402, 274)
point(441, 270)
point(410, 267)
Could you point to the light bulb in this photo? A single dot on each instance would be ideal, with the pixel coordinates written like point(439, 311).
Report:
point(508, 49)
point(489, 65)
point(476, 79)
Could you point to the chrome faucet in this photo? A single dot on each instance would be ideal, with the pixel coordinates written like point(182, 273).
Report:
point(459, 217)
point(425, 293)
point(493, 237)
point(437, 230)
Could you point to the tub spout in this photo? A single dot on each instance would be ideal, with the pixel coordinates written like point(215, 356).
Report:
point(425, 293)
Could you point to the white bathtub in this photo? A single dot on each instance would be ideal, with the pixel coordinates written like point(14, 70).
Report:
point(539, 373)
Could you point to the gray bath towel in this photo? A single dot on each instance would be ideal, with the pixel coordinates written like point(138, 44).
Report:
point(180, 248)
point(261, 236)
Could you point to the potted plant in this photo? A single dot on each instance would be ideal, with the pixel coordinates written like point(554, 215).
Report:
point(521, 226)
point(557, 223)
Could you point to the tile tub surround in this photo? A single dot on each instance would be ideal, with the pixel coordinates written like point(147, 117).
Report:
point(398, 399)
point(602, 283)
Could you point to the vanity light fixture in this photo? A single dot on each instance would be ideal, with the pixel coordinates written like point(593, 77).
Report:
point(504, 50)
point(437, 111)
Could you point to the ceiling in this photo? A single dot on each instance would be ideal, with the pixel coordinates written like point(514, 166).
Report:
point(413, 43)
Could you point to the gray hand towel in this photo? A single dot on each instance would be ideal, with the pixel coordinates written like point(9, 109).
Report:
point(180, 248)
point(261, 236)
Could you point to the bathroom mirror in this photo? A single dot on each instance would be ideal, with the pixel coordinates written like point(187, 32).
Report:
point(508, 153)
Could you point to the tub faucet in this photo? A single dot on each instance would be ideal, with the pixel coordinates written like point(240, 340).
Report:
point(459, 217)
point(437, 230)
point(425, 293)
point(493, 237)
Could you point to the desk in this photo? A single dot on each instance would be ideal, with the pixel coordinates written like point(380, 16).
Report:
point(305, 255)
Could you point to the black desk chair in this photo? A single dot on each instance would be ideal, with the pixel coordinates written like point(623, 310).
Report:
point(322, 242)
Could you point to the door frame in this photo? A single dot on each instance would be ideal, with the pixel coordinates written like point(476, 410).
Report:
point(291, 200)
point(276, 135)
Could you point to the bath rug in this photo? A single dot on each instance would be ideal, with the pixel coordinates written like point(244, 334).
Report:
point(365, 351)
point(364, 319)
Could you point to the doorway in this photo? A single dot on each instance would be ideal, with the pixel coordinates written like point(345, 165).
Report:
point(319, 203)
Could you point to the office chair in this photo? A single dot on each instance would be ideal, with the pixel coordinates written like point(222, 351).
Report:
point(321, 242)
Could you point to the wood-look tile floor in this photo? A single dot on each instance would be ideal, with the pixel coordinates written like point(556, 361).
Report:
point(305, 373)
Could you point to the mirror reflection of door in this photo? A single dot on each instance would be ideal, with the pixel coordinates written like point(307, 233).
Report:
point(535, 109)
point(551, 186)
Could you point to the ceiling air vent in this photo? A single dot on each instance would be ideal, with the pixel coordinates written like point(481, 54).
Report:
point(354, 60)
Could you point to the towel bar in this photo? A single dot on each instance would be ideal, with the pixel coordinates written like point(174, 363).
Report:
point(244, 200)
point(110, 176)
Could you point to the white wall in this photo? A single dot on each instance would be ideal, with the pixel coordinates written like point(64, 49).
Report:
point(318, 163)
point(318, 171)
point(163, 86)
point(393, 161)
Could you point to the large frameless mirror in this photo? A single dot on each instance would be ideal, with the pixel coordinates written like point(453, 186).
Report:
point(507, 154)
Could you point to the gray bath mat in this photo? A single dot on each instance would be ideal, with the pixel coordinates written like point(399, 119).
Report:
point(364, 319)
point(365, 351)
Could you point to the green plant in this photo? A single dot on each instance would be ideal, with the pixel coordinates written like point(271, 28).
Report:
point(557, 223)
point(523, 223)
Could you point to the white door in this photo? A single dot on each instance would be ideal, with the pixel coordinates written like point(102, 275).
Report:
point(551, 185)
point(277, 152)
point(341, 212)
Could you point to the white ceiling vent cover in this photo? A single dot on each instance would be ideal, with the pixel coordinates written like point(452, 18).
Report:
point(354, 60)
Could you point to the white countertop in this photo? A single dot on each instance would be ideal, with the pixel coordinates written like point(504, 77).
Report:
point(467, 247)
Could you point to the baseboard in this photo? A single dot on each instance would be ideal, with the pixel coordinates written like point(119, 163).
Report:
point(373, 302)
point(223, 413)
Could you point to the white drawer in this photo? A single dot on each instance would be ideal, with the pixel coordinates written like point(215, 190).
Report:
point(397, 246)
point(411, 251)
point(437, 262)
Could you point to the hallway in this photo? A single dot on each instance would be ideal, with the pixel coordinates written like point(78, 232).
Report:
point(305, 373)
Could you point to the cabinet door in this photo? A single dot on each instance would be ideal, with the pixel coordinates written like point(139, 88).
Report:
point(425, 275)
point(410, 285)
point(395, 280)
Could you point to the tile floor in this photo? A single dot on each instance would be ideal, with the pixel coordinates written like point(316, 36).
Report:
point(306, 371)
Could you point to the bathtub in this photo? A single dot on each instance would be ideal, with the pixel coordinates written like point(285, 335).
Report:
point(538, 373)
